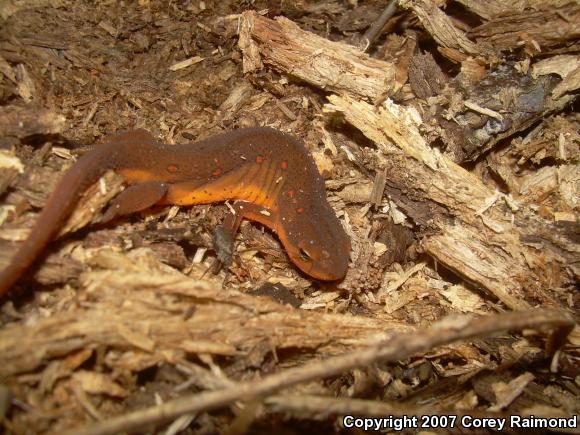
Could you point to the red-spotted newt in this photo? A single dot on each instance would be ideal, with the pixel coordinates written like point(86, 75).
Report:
point(270, 176)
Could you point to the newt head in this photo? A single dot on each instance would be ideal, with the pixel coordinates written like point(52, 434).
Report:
point(316, 243)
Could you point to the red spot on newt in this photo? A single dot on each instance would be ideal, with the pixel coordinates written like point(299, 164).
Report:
point(291, 193)
point(173, 168)
point(260, 159)
point(284, 165)
point(217, 172)
point(300, 210)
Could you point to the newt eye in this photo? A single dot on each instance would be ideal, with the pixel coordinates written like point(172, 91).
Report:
point(304, 255)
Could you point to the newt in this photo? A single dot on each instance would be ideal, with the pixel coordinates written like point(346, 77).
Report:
point(270, 175)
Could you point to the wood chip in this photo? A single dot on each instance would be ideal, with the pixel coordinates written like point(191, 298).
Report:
point(186, 63)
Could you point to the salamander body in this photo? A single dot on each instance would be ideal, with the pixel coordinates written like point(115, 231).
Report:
point(269, 174)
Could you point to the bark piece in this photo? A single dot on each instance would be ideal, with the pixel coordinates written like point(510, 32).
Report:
point(425, 76)
point(504, 102)
point(538, 31)
point(19, 121)
point(496, 8)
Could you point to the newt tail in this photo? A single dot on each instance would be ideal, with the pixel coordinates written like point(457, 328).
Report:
point(58, 208)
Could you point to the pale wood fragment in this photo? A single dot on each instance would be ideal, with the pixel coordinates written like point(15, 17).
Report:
point(566, 66)
point(332, 66)
point(94, 199)
point(185, 63)
point(492, 8)
point(550, 179)
point(395, 130)
point(562, 65)
point(570, 84)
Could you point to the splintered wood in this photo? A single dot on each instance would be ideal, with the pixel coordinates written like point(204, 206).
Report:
point(126, 310)
point(440, 26)
point(329, 65)
point(468, 245)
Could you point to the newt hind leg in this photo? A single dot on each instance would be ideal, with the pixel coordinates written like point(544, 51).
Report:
point(135, 198)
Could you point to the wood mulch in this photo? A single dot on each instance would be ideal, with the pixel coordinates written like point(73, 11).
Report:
point(448, 136)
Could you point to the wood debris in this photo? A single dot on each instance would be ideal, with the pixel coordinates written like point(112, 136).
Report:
point(448, 137)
